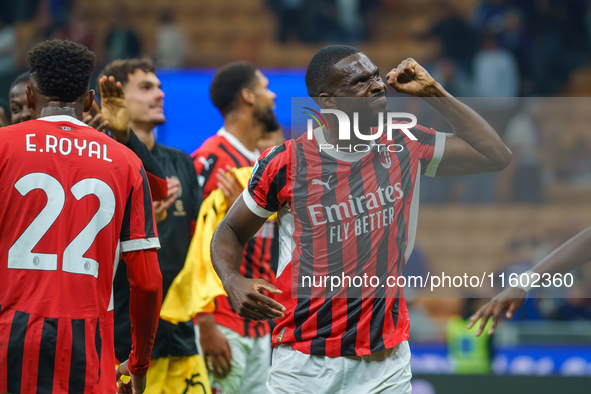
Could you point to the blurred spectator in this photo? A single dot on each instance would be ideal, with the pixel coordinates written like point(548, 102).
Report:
point(458, 41)
point(353, 18)
point(489, 15)
point(171, 42)
point(517, 39)
point(76, 29)
point(291, 17)
point(122, 42)
point(468, 354)
point(522, 180)
point(495, 71)
point(7, 50)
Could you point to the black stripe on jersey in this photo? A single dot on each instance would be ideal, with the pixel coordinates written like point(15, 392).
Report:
point(376, 332)
point(47, 355)
point(78, 357)
point(277, 184)
point(16, 350)
point(248, 257)
point(246, 330)
point(206, 173)
point(423, 137)
point(98, 343)
point(334, 260)
point(126, 226)
point(263, 163)
point(300, 203)
point(407, 185)
point(148, 209)
point(354, 300)
point(234, 159)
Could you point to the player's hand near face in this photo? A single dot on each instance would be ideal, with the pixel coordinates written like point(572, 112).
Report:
point(136, 384)
point(114, 108)
point(215, 346)
point(98, 121)
point(506, 302)
point(229, 185)
point(247, 298)
point(160, 207)
point(412, 79)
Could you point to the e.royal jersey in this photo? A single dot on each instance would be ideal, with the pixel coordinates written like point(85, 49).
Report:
point(343, 215)
point(72, 199)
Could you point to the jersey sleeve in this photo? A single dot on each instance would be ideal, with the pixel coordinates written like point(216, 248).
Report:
point(138, 230)
point(268, 188)
point(431, 144)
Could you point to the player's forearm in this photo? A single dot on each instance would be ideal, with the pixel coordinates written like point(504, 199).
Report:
point(468, 125)
point(145, 301)
point(568, 256)
point(226, 252)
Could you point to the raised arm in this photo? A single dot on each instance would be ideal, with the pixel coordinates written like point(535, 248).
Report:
point(474, 147)
point(227, 247)
point(571, 254)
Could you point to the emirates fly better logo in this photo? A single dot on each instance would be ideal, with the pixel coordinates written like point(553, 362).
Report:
point(391, 122)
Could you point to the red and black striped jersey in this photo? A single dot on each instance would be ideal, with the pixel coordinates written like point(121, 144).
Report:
point(343, 215)
point(256, 264)
point(219, 151)
point(73, 198)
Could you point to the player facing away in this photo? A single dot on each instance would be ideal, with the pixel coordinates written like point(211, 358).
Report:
point(73, 198)
point(236, 349)
point(327, 342)
point(176, 364)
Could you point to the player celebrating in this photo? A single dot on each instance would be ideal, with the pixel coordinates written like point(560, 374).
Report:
point(330, 340)
point(175, 348)
point(237, 349)
point(79, 197)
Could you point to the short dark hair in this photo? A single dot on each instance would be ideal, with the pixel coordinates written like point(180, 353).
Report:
point(24, 77)
point(123, 68)
point(61, 69)
point(227, 83)
point(318, 72)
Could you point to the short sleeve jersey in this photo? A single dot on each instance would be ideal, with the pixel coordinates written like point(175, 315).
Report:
point(343, 214)
point(72, 199)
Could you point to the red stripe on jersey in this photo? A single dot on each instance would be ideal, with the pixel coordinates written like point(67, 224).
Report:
point(31, 355)
point(6, 316)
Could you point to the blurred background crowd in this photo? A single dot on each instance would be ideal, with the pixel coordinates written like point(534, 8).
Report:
point(486, 49)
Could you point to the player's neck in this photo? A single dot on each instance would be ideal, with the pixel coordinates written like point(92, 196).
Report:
point(54, 109)
point(144, 133)
point(245, 129)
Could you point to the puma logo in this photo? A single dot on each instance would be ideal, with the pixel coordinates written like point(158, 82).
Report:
point(319, 182)
point(206, 162)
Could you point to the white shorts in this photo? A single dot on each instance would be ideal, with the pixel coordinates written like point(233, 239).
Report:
point(251, 360)
point(293, 372)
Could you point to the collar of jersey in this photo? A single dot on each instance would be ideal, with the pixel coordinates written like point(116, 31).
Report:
point(350, 157)
point(62, 118)
point(254, 156)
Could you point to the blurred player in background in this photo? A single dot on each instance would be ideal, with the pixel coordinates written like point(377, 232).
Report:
point(334, 341)
point(79, 198)
point(176, 365)
point(568, 256)
point(19, 111)
point(237, 350)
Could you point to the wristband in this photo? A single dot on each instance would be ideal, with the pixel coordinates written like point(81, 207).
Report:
point(529, 281)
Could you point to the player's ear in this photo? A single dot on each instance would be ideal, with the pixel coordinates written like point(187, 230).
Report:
point(326, 100)
point(30, 93)
point(248, 96)
point(89, 101)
